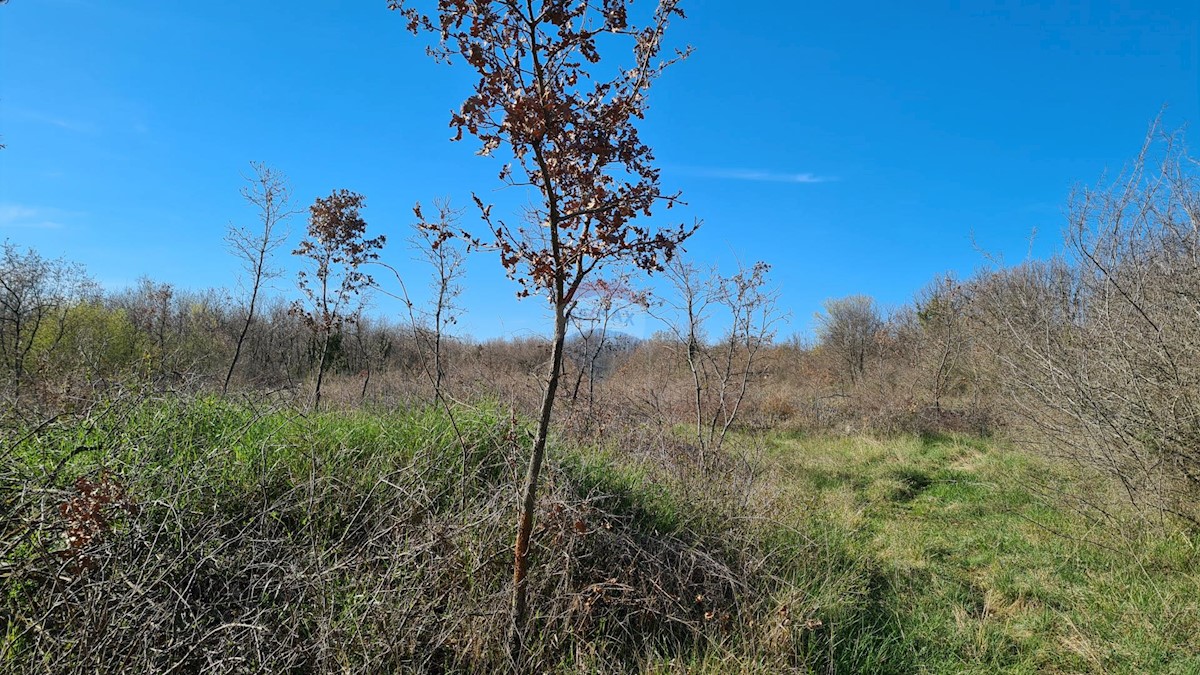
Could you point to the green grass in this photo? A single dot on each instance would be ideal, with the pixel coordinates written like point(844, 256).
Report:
point(959, 568)
point(898, 555)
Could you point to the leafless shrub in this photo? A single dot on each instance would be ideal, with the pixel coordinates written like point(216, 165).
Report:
point(1102, 347)
point(721, 371)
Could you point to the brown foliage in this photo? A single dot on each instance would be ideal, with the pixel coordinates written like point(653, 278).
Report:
point(338, 247)
point(574, 140)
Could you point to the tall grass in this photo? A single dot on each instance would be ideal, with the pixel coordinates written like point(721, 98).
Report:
point(239, 537)
point(233, 538)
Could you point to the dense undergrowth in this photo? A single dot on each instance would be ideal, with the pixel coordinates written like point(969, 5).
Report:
point(204, 535)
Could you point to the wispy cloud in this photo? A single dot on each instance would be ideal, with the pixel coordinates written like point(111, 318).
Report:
point(758, 175)
point(17, 216)
point(39, 117)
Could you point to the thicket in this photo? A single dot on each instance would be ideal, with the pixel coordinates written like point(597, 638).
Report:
point(1098, 350)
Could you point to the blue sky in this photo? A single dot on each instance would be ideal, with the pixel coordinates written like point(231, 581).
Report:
point(857, 147)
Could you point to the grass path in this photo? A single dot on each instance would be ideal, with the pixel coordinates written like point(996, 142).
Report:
point(961, 566)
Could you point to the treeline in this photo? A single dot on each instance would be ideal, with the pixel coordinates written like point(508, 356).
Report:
point(1095, 354)
point(65, 342)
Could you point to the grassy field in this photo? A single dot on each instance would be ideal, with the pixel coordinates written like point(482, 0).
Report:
point(964, 563)
point(244, 539)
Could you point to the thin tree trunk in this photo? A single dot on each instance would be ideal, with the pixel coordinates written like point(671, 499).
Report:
point(579, 373)
point(592, 376)
point(694, 365)
point(529, 493)
point(237, 350)
point(321, 373)
point(438, 373)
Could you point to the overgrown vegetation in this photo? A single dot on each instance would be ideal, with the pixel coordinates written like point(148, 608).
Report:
point(206, 535)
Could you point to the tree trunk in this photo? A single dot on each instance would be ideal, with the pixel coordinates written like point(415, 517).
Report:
point(529, 493)
point(693, 359)
point(237, 351)
point(321, 373)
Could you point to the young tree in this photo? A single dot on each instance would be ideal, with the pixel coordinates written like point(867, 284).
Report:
point(694, 291)
point(574, 140)
point(751, 307)
point(336, 244)
point(437, 248)
point(721, 373)
point(268, 192)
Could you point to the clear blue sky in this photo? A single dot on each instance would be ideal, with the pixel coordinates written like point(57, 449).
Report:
point(856, 147)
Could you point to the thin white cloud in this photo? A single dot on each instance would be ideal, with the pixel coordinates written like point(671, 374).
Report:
point(759, 175)
point(17, 216)
point(52, 120)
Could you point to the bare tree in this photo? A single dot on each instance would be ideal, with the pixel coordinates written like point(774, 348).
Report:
point(848, 328)
point(437, 247)
point(694, 291)
point(35, 295)
point(720, 373)
point(754, 314)
point(268, 192)
point(337, 246)
point(574, 141)
point(941, 315)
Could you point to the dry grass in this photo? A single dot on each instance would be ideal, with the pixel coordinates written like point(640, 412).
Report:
point(222, 537)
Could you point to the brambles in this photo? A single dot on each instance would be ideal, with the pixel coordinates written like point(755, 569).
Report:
point(266, 540)
point(269, 540)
